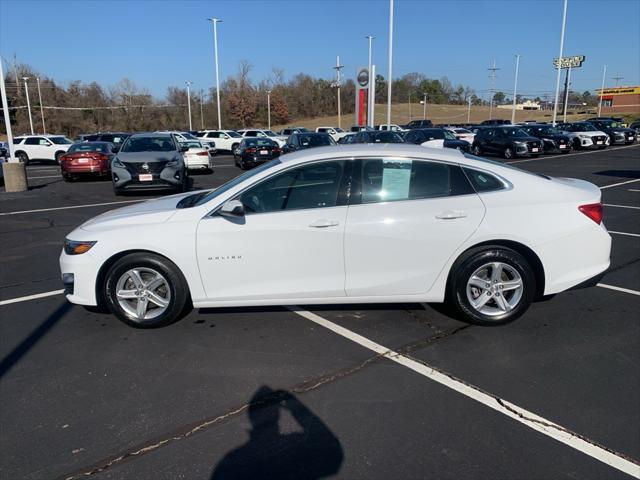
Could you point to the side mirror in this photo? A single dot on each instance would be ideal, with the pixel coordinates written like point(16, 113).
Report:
point(232, 208)
point(227, 137)
point(184, 148)
point(115, 149)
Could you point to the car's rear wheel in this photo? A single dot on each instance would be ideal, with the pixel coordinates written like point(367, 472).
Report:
point(145, 290)
point(476, 150)
point(23, 157)
point(117, 191)
point(508, 153)
point(491, 286)
point(57, 157)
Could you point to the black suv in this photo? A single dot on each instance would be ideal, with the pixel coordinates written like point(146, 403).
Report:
point(418, 124)
point(117, 138)
point(302, 141)
point(382, 136)
point(496, 121)
point(422, 135)
point(553, 139)
point(507, 141)
point(617, 133)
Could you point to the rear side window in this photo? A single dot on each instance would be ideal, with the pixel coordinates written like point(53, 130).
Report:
point(482, 181)
point(399, 179)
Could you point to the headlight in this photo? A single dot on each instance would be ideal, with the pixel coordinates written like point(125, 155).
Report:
point(172, 163)
point(584, 136)
point(117, 163)
point(72, 247)
point(520, 144)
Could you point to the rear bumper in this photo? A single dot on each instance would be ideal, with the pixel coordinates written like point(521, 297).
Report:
point(85, 170)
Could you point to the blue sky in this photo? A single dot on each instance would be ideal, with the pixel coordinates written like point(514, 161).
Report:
point(161, 43)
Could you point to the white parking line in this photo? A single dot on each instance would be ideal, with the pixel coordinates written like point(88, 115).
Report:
point(565, 155)
point(48, 176)
point(633, 190)
point(621, 183)
point(620, 206)
point(624, 233)
point(531, 420)
point(618, 289)
point(31, 297)
point(67, 208)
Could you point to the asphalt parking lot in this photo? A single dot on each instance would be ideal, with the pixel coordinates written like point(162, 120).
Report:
point(358, 391)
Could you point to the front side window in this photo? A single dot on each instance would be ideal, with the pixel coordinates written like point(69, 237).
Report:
point(388, 180)
point(35, 141)
point(310, 186)
point(61, 140)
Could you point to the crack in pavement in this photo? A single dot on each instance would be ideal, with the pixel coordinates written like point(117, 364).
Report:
point(306, 386)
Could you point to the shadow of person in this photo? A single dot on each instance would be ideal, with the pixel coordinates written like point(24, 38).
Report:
point(313, 453)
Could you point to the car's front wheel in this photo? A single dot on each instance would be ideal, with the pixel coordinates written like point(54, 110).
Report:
point(23, 157)
point(476, 150)
point(508, 153)
point(145, 290)
point(491, 286)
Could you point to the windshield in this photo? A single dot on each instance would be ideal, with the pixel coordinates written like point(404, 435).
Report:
point(308, 141)
point(188, 136)
point(259, 142)
point(60, 140)
point(269, 133)
point(339, 130)
point(435, 134)
point(461, 130)
point(148, 144)
point(546, 130)
point(514, 132)
point(582, 127)
point(387, 137)
point(192, 144)
point(88, 147)
point(233, 134)
point(236, 181)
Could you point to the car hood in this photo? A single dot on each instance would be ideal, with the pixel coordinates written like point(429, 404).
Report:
point(152, 211)
point(142, 157)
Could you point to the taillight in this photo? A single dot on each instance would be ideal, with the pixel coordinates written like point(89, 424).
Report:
point(103, 157)
point(275, 150)
point(593, 211)
point(203, 154)
point(250, 150)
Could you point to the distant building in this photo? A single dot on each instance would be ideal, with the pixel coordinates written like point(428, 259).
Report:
point(620, 99)
point(526, 105)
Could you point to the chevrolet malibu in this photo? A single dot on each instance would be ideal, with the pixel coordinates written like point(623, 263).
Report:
point(356, 224)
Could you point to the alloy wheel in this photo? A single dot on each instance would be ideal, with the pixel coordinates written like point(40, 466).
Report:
point(143, 293)
point(494, 289)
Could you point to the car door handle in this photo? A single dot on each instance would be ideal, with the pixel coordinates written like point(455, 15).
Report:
point(324, 223)
point(451, 214)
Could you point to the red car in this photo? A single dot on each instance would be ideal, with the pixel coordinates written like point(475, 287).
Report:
point(87, 159)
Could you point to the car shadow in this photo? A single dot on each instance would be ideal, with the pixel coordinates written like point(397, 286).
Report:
point(619, 173)
point(311, 452)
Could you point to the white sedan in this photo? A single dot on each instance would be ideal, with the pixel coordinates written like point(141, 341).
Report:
point(356, 224)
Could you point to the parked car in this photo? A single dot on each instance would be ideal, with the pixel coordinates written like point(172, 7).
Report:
point(585, 135)
point(335, 132)
point(198, 155)
point(4, 150)
point(392, 127)
point(347, 139)
point(462, 134)
point(181, 136)
point(617, 133)
point(150, 161)
point(117, 138)
point(496, 121)
point(285, 132)
point(430, 226)
point(279, 139)
point(360, 128)
point(636, 126)
point(40, 147)
point(436, 138)
point(87, 159)
point(418, 124)
point(506, 141)
point(553, 140)
point(378, 136)
point(302, 141)
point(619, 120)
point(227, 140)
point(254, 151)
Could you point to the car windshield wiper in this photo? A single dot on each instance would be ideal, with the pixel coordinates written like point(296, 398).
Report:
point(191, 200)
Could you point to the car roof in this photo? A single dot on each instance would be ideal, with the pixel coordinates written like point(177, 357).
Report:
point(47, 135)
point(152, 134)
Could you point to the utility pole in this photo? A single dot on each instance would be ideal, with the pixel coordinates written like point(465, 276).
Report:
point(555, 103)
point(189, 83)
point(492, 77)
point(617, 78)
point(201, 115)
point(215, 22)
point(268, 109)
point(604, 74)
point(410, 106)
point(390, 69)
point(337, 84)
point(469, 111)
point(15, 73)
point(566, 95)
point(424, 106)
point(515, 89)
point(26, 91)
point(369, 90)
point(44, 129)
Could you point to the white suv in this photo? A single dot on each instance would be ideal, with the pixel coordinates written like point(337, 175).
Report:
point(279, 139)
point(40, 147)
point(223, 139)
point(335, 132)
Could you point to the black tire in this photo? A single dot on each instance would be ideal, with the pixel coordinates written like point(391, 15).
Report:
point(68, 178)
point(466, 266)
point(476, 150)
point(576, 143)
point(117, 191)
point(241, 164)
point(23, 157)
point(175, 284)
point(508, 153)
point(535, 156)
point(233, 147)
point(57, 157)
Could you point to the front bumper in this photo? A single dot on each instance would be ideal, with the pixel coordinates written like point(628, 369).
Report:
point(79, 274)
point(168, 178)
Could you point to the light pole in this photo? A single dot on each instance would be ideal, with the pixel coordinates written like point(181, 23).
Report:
point(555, 103)
point(44, 129)
point(409, 105)
point(26, 89)
point(469, 111)
point(424, 106)
point(268, 109)
point(565, 106)
point(201, 115)
point(189, 83)
point(390, 68)
point(215, 22)
point(338, 82)
point(604, 73)
point(369, 96)
point(515, 89)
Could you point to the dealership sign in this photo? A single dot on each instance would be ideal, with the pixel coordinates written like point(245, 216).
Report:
point(569, 62)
